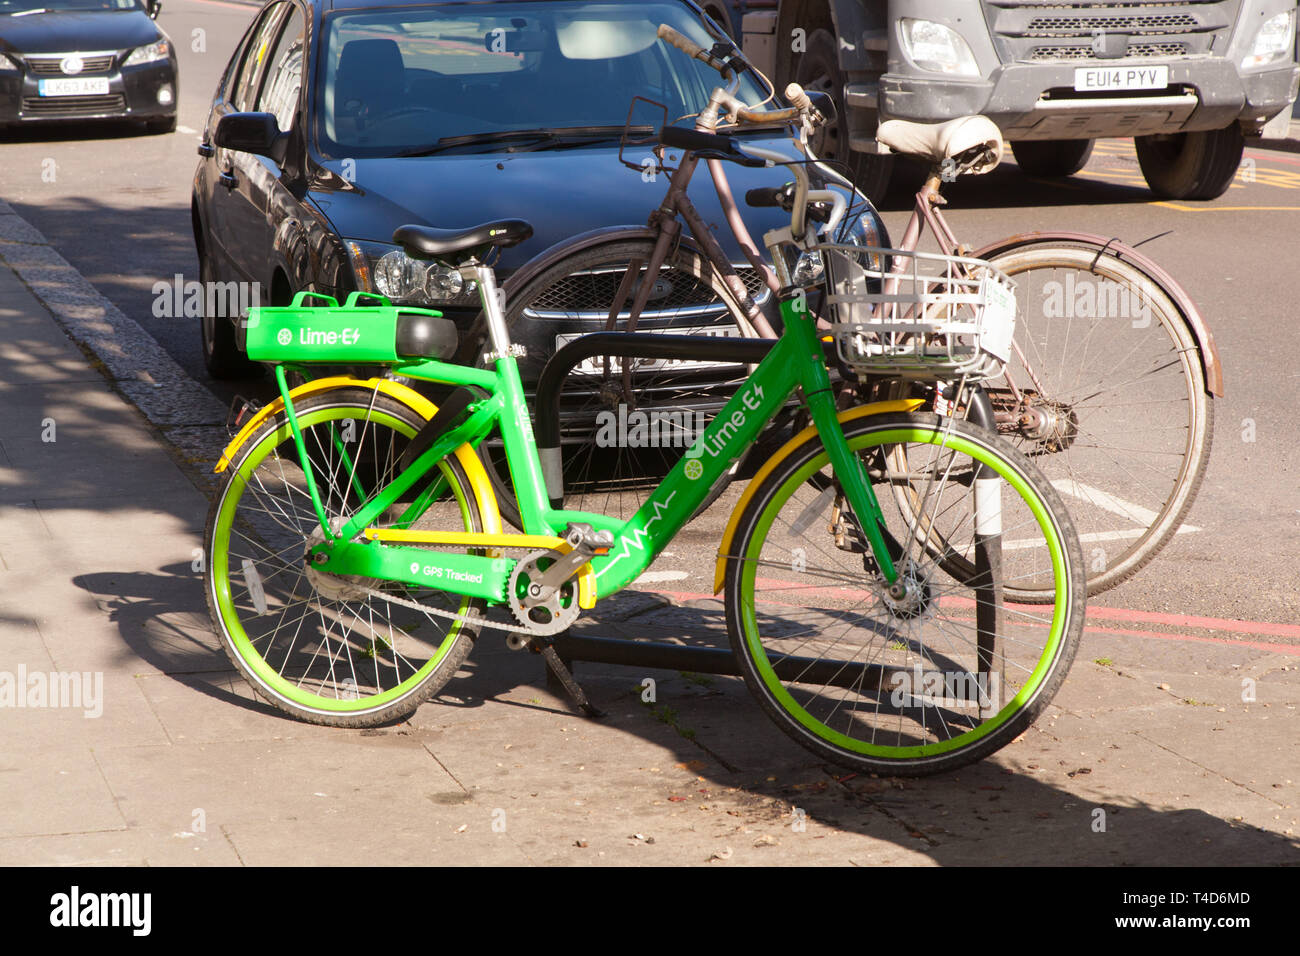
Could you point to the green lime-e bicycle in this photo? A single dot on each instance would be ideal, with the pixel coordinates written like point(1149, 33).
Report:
point(355, 550)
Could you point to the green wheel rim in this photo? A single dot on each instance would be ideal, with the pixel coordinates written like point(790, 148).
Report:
point(220, 571)
point(758, 654)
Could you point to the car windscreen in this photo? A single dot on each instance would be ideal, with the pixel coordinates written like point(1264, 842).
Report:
point(396, 81)
point(20, 8)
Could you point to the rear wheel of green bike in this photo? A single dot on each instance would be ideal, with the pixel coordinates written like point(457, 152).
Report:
point(941, 673)
point(325, 648)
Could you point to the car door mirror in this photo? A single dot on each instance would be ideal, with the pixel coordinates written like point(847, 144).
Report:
point(256, 133)
point(154, 7)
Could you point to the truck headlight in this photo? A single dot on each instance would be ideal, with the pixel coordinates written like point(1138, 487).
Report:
point(937, 48)
point(148, 54)
point(388, 270)
point(1272, 40)
point(7, 64)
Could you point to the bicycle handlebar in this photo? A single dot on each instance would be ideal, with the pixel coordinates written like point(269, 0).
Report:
point(677, 137)
point(693, 50)
point(765, 197)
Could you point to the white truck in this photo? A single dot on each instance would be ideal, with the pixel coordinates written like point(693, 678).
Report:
point(1190, 81)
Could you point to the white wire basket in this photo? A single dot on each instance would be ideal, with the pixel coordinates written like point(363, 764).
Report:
point(918, 314)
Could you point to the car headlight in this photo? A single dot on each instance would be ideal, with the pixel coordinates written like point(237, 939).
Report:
point(388, 270)
point(8, 64)
point(937, 48)
point(860, 230)
point(148, 54)
point(1272, 40)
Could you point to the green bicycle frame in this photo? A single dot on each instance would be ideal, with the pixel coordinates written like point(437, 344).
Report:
point(796, 361)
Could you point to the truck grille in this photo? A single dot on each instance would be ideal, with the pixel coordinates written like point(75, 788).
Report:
point(1025, 31)
point(1071, 26)
point(1088, 53)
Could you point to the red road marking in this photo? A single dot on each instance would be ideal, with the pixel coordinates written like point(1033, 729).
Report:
point(1188, 620)
point(1272, 158)
point(1254, 645)
point(1263, 628)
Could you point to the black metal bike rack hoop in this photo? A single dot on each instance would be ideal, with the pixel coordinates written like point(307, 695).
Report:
point(605, 650)
point(632, 345)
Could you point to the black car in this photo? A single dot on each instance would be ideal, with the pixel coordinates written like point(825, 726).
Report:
point(337, 121)
point(86, 60)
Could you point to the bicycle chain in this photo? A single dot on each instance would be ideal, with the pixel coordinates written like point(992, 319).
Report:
point(462, 618)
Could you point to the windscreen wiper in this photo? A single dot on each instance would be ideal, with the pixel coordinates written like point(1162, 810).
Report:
point(556, 137)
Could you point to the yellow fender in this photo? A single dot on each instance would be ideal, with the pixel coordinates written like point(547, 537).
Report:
point(492, 533)
point(848, 415)
point(468, 458)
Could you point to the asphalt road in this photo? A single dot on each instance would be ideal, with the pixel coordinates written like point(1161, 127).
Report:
point(115, 201)
point(117, 208)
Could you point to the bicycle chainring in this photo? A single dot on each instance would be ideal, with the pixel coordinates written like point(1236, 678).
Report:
point(541, 615)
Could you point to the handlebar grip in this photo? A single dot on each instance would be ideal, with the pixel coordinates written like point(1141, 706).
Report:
point(769, 117)
point(764, 197)
point(795, 94)
point(677, 137)
point(669, 35)
point(692, 49)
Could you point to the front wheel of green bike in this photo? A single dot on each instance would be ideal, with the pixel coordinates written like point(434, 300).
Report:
point(328, 649)
point(939, 670)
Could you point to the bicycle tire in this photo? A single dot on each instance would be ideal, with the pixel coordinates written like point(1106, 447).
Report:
point(786, 600)
point(318, 667)
point(575, 295)
point(1135, 386)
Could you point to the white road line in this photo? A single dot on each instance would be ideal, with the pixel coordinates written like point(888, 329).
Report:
point(1108, 502)
point(1105, 501)
point(655, 577)
point(1095, 536)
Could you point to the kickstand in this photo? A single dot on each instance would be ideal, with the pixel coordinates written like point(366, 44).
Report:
point(565, 677)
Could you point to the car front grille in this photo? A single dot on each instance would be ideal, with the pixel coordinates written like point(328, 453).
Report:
point(52, 65)
point(1026, 31)
point(588, 295)
point(74, 105)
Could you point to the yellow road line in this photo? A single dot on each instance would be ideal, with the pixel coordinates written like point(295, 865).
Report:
point(1181, 208)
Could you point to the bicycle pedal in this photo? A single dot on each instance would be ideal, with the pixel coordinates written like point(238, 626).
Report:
point(583, 537)
point(585, 543)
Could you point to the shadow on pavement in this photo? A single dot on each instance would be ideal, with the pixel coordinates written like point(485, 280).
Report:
point(736, 779)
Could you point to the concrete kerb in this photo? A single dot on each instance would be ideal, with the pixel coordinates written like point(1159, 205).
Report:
point(119, 347)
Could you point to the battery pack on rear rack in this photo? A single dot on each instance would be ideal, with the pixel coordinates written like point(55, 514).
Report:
point(362, 330)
